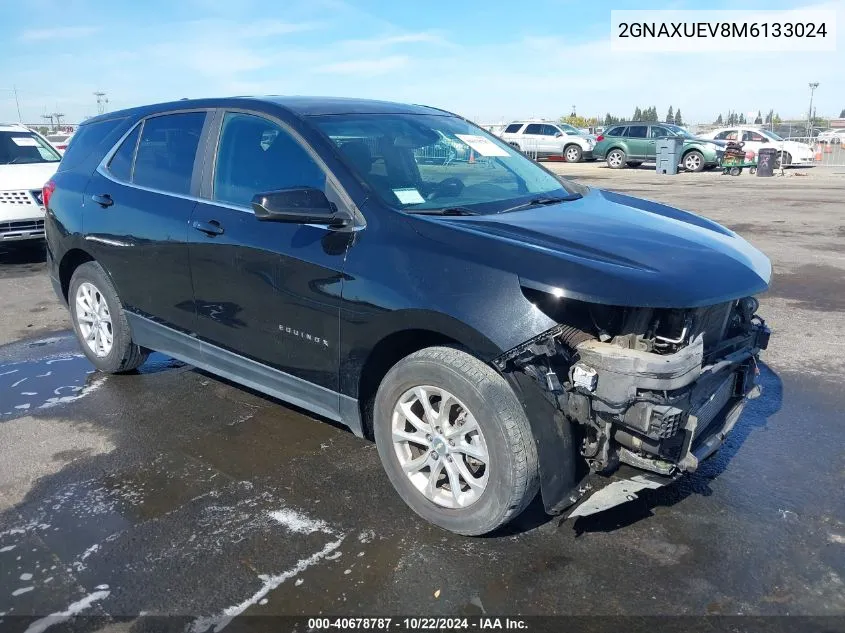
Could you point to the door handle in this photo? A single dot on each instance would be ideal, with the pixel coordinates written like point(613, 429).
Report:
point(210, 228)
point(103, 199)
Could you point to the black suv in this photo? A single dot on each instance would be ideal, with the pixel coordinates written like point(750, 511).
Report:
point(495, 329)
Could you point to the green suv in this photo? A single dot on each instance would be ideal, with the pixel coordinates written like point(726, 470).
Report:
point(635, 143)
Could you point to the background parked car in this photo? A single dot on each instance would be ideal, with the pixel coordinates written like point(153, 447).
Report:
point(60, 140)
point(793, 152)
point(836, 136)
point(27, 161)
point(547, 139)
point(635, 143)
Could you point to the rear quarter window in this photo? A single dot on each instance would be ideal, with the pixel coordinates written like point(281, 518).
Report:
point(88, 138)
point(513, 128)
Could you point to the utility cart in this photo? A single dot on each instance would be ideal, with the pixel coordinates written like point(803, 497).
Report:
point(736, 159)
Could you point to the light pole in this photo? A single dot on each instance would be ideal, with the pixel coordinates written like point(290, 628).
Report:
point(813, 86)
point(14, 90)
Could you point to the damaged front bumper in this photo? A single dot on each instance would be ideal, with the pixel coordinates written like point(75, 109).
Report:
point(656, 415)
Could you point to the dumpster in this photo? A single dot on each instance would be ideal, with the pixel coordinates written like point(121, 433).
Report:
point(766, 159)
point(668, 150)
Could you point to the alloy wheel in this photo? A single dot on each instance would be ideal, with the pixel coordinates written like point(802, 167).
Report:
point(440, 446)
point(94, 319)
point(692, 162)
point(615, 158)
point(571, 155)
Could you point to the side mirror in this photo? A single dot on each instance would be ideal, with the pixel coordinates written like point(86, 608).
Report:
point(558, 134)
point(302, 205)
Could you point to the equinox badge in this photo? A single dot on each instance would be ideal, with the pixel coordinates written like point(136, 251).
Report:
point(285, 329)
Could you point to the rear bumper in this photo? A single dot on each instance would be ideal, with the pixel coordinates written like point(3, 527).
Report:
point(54, 277)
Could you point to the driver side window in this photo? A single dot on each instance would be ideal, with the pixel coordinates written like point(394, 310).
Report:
point(255, 155)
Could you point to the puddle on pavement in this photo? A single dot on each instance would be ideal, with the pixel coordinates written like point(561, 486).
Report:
point(57, 379)
point(45, 383)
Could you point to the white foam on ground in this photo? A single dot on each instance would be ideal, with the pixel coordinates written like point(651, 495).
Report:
point(55, 618)
point(299, 523)
point(88, 389)
point(219, 622)
point(8, 548)
point(79, 565)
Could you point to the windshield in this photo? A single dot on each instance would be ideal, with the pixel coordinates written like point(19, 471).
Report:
point(771, 135)
point(568, 128)
point(425, 162)
point(19, 148)
point(679, 131)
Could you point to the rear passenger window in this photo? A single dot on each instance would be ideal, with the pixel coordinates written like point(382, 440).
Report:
point(513, 128)
point(637, 131)
point(534, 128)
point(256, 156)
point(120, 164)
point(166, 153)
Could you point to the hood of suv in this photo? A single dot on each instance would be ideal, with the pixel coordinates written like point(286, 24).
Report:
point(615, 249)
point(26, 176)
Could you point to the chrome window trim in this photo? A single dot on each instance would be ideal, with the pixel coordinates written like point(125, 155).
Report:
point(102, 167)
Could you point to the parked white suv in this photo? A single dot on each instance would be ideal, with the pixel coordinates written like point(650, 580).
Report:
point(27, 162)
point(545, 139)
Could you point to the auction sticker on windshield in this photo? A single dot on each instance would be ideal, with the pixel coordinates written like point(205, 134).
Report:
point(24, 141)
point(482, 145)
point(409, 196)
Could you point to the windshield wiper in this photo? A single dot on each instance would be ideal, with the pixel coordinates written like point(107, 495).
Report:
point(446, 211)
point(543, 201)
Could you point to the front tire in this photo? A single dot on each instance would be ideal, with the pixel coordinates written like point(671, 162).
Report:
point(616, 159)
point(693, 161)
point(455, 441)
point(573, 154)
point(786, 162)
point(100, 322)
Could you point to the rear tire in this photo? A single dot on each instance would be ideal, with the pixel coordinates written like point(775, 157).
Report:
point(573, 154)
point(100, 321)
point(787, 160)
point(616, 159)
point(496, 490)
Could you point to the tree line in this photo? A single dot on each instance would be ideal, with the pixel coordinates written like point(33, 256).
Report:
point(739, 119)
point(648, 114)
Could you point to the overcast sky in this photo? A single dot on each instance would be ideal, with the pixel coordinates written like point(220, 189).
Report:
point(489, 61)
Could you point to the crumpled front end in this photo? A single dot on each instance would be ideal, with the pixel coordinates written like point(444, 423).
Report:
point(656, 390)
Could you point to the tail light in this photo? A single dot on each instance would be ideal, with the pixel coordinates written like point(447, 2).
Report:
point(46, 192)
point(600, 137)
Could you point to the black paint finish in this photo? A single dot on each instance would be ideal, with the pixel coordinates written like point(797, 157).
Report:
point(313, 301)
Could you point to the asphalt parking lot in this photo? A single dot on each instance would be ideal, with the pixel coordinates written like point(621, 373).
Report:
point(174, 492)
